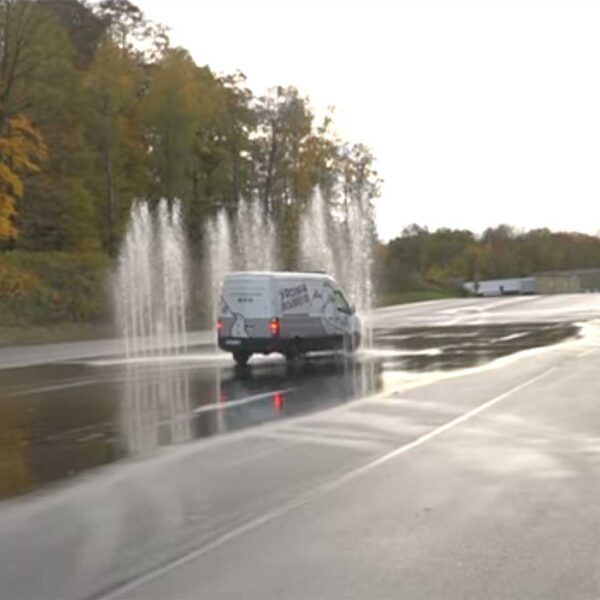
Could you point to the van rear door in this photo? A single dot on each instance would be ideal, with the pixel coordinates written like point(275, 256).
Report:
point(247, 306)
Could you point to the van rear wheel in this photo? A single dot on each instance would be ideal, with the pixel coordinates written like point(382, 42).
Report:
point(293, 354)
point(241, 358)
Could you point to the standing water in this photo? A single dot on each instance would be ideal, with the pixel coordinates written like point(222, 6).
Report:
point(151, 284)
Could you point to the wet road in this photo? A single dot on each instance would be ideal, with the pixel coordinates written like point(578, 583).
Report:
point(57, 420)
point(421, 468)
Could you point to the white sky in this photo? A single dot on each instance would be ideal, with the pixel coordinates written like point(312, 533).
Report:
point(479, 113)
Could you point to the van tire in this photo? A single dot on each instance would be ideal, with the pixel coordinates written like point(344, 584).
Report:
point(241, 358)
point(352, 342)
point(293, 354)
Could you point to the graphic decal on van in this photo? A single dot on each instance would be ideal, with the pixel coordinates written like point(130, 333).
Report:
point(238, 329)
point(294, 297)
point(323, 304)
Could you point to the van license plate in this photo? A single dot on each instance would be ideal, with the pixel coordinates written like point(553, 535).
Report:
point(233, 342)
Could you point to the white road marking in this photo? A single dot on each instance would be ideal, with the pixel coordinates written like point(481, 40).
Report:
point(236, 532)
point(512, 336)
point(246, 400)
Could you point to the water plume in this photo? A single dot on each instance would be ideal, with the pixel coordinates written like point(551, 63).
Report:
point(151, 282)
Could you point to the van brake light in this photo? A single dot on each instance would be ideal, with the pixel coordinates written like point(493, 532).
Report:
point(275, 327)
point(220, 325)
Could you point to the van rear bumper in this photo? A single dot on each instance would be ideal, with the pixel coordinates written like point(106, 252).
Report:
point(283, 345)
point(262, 345)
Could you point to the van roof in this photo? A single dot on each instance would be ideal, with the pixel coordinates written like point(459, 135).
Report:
point(280, 274)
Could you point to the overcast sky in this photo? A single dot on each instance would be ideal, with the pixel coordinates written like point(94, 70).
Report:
point(479, 113)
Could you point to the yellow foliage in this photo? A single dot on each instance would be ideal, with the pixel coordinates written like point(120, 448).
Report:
point(22, 149)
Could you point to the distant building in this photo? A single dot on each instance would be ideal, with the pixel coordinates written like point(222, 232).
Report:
point(502, 287)
point(549, 282)
point(568, 282)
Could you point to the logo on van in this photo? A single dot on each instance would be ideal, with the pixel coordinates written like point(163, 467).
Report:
point(293, 297)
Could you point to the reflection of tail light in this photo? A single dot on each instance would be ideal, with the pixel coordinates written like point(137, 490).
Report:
point(278, 402)
point(220, 325)
point(275, 327)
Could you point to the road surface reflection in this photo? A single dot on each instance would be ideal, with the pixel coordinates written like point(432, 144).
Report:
point(58, 420)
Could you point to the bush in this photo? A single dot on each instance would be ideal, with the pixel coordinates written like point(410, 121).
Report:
point(46, 287)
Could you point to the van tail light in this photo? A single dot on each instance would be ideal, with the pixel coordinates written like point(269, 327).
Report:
point(220, 325)
point(278, 402)
point(275, 327)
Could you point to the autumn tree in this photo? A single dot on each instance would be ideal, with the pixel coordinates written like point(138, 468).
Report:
point(221, 170)
point(170, 113)
point(284, 126)
point(84, 26)
point(57, 209)
point(115, 137)
point(22, 149)
point(22, 146)
point(131, 31)
point(357, 174)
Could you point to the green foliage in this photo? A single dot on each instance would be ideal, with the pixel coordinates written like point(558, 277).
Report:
point(391, 299)
point(115, 139)
point(44, 287)
point(124, 115)
point(171, 115)
point(21, 147)
point(43, 84)
point(117, 114)
point(420, 260)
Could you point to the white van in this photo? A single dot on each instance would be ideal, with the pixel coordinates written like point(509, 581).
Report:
point(291, 313)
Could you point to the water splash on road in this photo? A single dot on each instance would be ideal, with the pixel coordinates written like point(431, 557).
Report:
point(151, 283)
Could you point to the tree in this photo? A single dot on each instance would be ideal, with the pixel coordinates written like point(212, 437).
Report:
point(22, 149)
point(56, 210)
point(284, 128)
point(241, 121)
point(446, 255)
point(220, 171)
point(22, 146)
point(85, 28)
point(355, 164)
point(115, 137)
point(499, 257)
point(292, 155)
point(171, 117)
point(128, 27)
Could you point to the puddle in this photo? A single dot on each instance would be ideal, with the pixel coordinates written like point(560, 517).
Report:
point(61, 419)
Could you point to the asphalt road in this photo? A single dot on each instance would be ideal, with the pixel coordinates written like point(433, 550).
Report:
point(457, 311)
point(477, 482)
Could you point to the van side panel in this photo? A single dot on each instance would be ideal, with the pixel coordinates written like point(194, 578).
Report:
point(308, 310)
point(293, 296)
